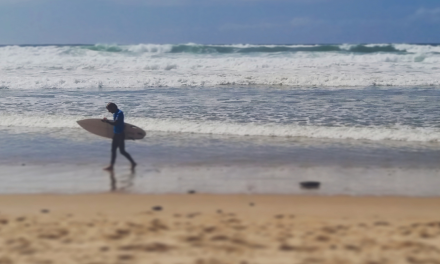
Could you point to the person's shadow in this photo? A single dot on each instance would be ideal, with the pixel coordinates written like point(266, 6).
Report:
point(126, 181)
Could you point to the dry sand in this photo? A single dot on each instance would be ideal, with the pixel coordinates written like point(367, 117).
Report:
point(218, 229)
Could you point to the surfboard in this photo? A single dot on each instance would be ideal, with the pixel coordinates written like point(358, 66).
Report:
point(97, 127)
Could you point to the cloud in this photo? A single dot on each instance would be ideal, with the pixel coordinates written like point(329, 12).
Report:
point(429, 15)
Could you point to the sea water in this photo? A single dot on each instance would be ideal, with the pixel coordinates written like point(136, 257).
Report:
point(359, 119)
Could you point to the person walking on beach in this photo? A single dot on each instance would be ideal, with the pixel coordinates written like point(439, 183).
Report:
point(119, 135)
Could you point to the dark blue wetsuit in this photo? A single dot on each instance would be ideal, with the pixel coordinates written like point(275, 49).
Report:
point(119, 136)
point(118, 118)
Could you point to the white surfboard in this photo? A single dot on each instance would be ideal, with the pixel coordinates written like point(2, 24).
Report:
point(97, 127)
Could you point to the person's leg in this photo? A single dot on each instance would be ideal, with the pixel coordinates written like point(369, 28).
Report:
point(115, 143)
point(125, 153)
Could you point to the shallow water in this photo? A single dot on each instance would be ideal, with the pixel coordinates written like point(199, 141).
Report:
point(403, 114)
point(70, 161)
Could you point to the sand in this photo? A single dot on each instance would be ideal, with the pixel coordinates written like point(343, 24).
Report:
point(218, 229)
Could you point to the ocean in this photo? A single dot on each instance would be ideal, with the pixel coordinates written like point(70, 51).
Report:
point(358, 119)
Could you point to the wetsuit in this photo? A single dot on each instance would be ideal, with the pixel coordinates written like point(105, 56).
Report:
point(119, 136)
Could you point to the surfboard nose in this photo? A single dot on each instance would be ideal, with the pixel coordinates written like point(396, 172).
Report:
point(80, 123)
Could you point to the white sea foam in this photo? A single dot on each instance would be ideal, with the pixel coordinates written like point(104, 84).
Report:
point(147, 65)
point(398, 133)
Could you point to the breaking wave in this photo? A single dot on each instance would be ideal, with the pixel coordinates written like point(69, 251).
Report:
point(397, 133)
point(153, 65)
point(227, 49)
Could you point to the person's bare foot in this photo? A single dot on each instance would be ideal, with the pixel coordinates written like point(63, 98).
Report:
point(133, 166)
point(109, 168)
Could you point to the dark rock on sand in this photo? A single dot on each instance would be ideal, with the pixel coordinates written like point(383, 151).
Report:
point(310, 185)
point(157, 208)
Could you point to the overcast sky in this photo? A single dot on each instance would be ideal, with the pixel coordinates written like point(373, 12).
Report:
point(218, 21)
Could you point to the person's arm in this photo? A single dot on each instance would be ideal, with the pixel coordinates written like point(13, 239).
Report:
point(105, 120)
point(113, 123)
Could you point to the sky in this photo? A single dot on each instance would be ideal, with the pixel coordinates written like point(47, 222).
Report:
point(219, 21)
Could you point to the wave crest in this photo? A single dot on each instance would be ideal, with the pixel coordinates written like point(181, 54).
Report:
point(397, 133)
point(231, 49)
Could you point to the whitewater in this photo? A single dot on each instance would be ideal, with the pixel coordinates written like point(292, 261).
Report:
point(343, 91)
point(193, 65)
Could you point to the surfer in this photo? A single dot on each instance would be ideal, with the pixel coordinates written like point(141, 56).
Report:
point(119, 136)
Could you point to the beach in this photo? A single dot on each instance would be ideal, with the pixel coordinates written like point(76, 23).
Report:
point(214, 229)
point(323, 153)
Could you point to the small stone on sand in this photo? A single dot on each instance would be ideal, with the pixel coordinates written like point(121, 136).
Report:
point(157, 208)
point(20, 219)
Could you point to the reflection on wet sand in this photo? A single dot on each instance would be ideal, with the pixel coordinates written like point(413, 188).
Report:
point(126, 181)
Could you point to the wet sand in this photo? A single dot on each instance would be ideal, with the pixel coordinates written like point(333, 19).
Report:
point(218, 229)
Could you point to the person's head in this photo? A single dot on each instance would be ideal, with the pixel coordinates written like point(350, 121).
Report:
point(112, 107)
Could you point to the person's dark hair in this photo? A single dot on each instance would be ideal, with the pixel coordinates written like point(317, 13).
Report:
point(111, 105)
